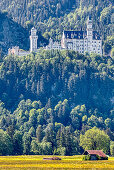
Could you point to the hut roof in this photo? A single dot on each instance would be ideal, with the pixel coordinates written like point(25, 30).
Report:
point(96, 152)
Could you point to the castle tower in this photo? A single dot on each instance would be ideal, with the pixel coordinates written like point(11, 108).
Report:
point(89, 29)
point(89, 35)
point(50, 43)
point(63, 41)
point(33, 40)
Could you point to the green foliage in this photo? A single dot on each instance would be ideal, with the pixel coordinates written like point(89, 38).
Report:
point(44, 148)
point(95, 139)
point(39, 133)
point(92, 121)
point(112, 148)
point(36, 148)
point(56, 96)
point(61, 151)
point(26, 143)
point(17, 143)
point(86, 158)
point(108, 44)
point(6, 145)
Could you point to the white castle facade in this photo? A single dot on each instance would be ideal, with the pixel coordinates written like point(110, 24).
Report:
point(80, 41)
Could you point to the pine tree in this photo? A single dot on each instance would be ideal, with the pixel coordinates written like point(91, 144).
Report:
point(39, 133)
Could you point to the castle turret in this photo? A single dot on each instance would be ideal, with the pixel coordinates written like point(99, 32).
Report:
point(89, 29)
point(50, 42)
point(89, 35)
point(33, 40)
point(63, 41)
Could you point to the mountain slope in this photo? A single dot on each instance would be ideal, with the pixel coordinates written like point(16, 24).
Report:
point(12, 34)
point(39, 10)
point(58, 75)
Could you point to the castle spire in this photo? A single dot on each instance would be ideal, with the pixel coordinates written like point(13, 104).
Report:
point(63, 41)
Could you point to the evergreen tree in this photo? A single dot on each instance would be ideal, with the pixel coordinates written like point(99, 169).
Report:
point(39, 133)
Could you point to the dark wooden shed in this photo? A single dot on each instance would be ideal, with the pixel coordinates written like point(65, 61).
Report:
point(53, 158)
point(96, 154)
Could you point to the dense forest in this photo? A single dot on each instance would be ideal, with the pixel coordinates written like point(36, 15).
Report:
point(55, 102)
point(50, 98)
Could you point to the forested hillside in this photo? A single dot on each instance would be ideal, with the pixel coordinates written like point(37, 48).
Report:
point(37, 10)
point(53, 97)
point(55, 75)
point(55, 102)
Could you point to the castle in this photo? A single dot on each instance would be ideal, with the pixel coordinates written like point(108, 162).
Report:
point(81, 41)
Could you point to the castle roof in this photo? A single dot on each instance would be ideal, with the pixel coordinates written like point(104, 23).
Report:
point(74, 34)
point(96, 35)
point(80, 35)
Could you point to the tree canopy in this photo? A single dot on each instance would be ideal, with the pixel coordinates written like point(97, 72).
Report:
point(95, 139)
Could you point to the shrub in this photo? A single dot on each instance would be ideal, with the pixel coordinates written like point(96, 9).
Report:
point(86, 157)
point(60, 151)
point(112, 148)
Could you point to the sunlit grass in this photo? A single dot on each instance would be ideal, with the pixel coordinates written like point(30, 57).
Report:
point(37, 162)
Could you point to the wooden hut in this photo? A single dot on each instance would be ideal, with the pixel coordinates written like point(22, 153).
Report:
point(96, 154)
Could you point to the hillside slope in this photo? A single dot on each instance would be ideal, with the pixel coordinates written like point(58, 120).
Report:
point(58, 75)
point(40, 10)
point(36, 10)
point(11, 34)
point(56, 97)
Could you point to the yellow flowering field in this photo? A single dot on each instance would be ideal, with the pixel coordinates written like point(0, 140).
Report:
point(67, 163)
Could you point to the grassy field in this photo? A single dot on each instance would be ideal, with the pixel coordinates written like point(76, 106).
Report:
point(67, 163)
